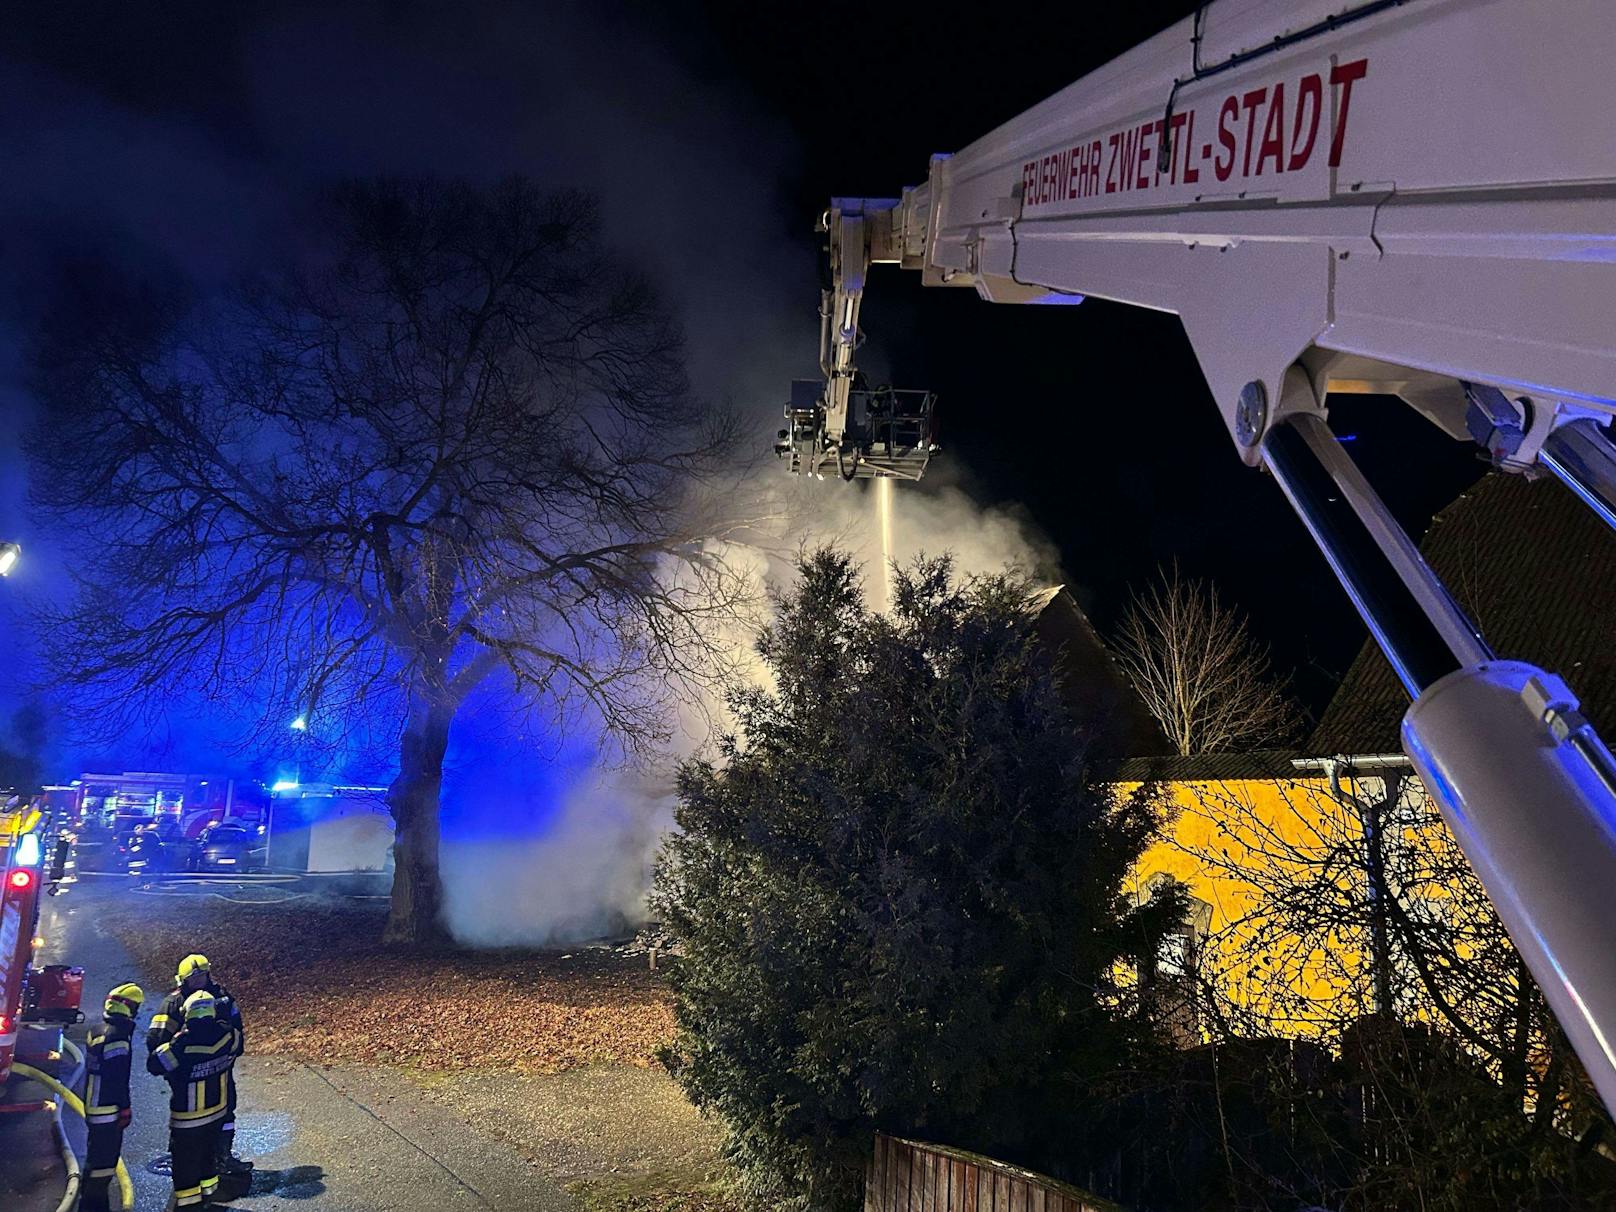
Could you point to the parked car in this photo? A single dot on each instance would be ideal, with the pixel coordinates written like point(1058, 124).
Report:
point(97, 847)
point(226, 847)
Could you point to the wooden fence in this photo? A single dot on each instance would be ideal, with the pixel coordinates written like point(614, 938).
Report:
point(907, 1176)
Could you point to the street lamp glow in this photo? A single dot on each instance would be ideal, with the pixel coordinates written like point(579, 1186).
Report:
point(285, 785)
point(301, 724)
point(9, 554)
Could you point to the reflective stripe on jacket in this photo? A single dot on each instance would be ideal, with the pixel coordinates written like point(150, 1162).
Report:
point(106, 1071)
point(170, 1017)
point(197, 1063)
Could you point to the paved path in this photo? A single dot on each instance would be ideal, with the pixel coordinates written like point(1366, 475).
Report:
point(590, 1123)
point(324, 1140)
point(67, 924)
point(344, 1138)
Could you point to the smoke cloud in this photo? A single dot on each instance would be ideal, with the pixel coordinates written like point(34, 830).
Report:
point(585, 873)
point(584, 877)
point(937, 516)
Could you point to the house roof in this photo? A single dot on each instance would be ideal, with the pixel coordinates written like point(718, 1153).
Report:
point(1092, 683)
point(1208, 767)
point(1536, 569)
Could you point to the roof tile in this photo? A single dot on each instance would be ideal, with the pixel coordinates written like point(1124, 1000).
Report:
point(1536, 569)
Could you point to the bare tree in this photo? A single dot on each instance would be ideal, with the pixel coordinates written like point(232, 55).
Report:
point(1201, 675)
point(452, 451)
point(1356, 922)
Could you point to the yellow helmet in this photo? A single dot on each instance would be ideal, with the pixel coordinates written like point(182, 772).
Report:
point(125, 1000)
point(199, 1005)
point(191, 964)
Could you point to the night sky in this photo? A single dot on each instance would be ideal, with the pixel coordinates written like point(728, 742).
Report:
point(186, 137)
point(1096, 419)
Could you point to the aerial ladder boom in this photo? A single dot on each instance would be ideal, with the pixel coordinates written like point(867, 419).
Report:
point(1412, 198)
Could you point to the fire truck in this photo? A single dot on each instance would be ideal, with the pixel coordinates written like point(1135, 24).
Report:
point(35, 1003)
point(190, 802)
point(1400, 198)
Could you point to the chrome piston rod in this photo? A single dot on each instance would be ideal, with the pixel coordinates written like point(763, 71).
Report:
point(1525, 784)
point(1582, 456)
point(1412, 616)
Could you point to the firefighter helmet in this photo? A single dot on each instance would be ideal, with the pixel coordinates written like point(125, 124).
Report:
point(191, 965)
point(126, 1000)
point(200, 1005)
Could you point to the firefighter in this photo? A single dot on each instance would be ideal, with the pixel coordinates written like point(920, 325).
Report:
point(196, 1063)
point(106, 1093)
point(194, 974)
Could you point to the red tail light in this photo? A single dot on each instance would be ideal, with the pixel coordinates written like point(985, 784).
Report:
point(6, 1024)
point(20, 880)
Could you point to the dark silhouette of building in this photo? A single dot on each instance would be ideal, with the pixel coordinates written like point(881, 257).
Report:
point(1093, 684)
point(1536, 570)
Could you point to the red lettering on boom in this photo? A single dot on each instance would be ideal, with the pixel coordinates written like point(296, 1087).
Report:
point(1284, 143)
point(1346, 75)
point(1309, 96)
point(1231, 109)
point(1273, 138)
point(1175, 136)
point(1251, 101)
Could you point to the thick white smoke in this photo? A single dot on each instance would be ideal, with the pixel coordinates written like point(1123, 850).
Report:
point(588, 875)
point(585, 875)
point(586, 878)
point(939, 518)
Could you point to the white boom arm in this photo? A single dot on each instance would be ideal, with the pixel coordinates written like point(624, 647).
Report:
point(1404, 197)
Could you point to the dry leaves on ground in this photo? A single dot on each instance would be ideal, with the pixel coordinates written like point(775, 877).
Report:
point(674, 1192)
point(314, 982)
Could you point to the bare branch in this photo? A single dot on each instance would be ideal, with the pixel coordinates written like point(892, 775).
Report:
point(453, 449)
point(1198, 671)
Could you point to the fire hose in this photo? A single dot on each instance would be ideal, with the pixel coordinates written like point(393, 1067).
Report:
point(126, 1188)
point(75, 1172)
point(268, 881)
point(205, 888)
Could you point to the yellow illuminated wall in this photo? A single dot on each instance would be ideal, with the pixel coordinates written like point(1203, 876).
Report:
point(1237, 844)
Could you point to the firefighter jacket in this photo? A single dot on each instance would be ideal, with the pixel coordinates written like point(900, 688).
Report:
point(106, 1068)
point(196, 1062)
point(170, 1017)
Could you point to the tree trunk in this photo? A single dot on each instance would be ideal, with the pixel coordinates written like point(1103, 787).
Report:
point(1374, 819)
point(414, 914)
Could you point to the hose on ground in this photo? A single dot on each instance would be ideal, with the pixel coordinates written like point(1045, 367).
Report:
point(220, 896)
point(239, 889)
point(216, 877)
point(70, 1160)
point(126, 1188)
point(75, 1172)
